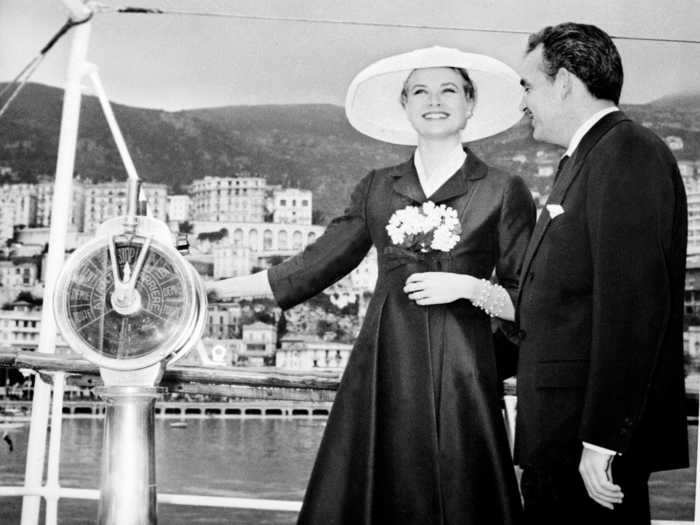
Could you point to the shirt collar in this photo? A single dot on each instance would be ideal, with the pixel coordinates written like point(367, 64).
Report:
point(585, 128)
point(451, 163)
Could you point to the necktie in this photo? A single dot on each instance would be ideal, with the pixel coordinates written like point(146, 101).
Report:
point(562, 163)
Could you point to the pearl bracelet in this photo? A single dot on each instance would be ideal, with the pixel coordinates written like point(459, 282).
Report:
point(489, 298)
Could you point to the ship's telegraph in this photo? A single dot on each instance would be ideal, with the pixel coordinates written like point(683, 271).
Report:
point(129, 302)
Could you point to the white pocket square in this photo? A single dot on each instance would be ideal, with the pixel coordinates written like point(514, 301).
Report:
point(554, 210)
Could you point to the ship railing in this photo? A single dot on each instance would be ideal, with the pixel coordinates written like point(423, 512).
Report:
point(247, 383)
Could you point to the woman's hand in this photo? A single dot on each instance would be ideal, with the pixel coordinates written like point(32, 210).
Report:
point(213, 292)
point(254, 286)
point(439, 287)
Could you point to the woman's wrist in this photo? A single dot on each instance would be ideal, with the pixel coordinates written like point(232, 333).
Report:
point(470, 287)
point(490, 298)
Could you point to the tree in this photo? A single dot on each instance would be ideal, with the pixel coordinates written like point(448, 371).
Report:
point(29, 298)
point(185, 227)
point(317, 217)
point(213, 236)
point(281, 329)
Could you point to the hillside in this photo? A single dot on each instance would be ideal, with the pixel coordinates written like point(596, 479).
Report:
point(309, 146)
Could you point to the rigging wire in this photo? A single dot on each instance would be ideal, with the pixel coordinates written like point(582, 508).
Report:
point(364, 23)
point(23, 77)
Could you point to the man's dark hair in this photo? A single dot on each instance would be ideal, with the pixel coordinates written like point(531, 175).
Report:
point(584, 50)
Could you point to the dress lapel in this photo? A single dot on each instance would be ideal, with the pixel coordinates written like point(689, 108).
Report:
point(406, 180)
point(563, 183)
point(460, 183)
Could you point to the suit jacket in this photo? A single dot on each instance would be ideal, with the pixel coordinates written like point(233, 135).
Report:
point(601, 306)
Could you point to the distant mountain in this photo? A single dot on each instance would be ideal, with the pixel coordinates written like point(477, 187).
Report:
point(689, 101)
point(307, 146)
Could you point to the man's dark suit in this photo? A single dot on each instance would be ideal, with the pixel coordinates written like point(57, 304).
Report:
point(601, 310)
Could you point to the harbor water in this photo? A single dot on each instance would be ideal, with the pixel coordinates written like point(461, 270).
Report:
point(263, 457)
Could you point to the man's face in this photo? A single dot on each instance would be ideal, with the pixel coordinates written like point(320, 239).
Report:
point(541, 101)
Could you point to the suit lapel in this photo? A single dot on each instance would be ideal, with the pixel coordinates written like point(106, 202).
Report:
point(563, 183)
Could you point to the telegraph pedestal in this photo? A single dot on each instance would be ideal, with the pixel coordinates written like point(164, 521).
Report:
point(128, 488)
point(130, 303)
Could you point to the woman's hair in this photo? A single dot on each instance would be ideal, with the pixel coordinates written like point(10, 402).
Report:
point(469, 89)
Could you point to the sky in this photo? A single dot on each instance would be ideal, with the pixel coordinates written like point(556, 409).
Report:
point(175, 62)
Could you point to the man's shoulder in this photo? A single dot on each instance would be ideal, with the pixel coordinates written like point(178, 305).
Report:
point(632, 134)
point(632, 151)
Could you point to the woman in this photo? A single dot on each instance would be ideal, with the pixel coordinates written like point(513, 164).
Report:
point(416, 434)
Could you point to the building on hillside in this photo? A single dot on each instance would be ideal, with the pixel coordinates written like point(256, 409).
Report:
point(223, 320)
point(228, 199)
point(693, 223)
point(692, 287)
point(44, 202)
point(20, 272)
point(20, 200)
point(39, 238)
point(7, 223)
point(308, 352)
point(106, 200)
point(260, 340)
point(243, 246)
point(691, 342)
point(203, 263)
point(291, 206)
point(19, 329)
point(690, 171)
point(674, 143)
point(230, 261)
point(179, 208)
point(265, 239)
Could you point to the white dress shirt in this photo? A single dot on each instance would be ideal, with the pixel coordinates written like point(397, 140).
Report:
point(586, 127)
point(431, 182)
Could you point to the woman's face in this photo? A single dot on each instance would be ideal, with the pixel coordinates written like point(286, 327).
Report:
point(436, 104)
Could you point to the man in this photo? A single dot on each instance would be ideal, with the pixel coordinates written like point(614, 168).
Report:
point(600, 377)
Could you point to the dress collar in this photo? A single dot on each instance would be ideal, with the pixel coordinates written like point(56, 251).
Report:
point(452, 162)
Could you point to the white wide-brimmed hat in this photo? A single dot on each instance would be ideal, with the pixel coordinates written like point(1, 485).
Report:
point(373, 103)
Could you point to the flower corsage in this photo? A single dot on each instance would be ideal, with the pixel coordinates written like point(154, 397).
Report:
point(425, 228)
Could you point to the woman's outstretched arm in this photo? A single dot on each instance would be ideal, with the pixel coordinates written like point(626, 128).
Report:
point(253, 285)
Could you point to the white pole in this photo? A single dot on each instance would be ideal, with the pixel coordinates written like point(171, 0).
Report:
point(52, 473)
point(697, 471)
point(91, 72)
point(60, 215)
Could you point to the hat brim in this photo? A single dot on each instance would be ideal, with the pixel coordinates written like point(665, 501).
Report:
point(373, 102)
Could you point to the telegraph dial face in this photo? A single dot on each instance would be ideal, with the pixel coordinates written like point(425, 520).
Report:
point(126, 301)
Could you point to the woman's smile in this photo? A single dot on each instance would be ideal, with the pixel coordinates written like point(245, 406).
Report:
point(436, 115)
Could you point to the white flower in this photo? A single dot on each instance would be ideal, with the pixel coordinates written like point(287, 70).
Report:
point(424, 228)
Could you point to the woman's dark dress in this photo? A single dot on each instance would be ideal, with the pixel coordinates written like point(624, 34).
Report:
point(416, 434)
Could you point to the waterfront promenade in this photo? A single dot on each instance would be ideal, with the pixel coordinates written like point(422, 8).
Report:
point(89, 409)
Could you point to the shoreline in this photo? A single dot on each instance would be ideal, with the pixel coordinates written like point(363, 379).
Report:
point(20, 411)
